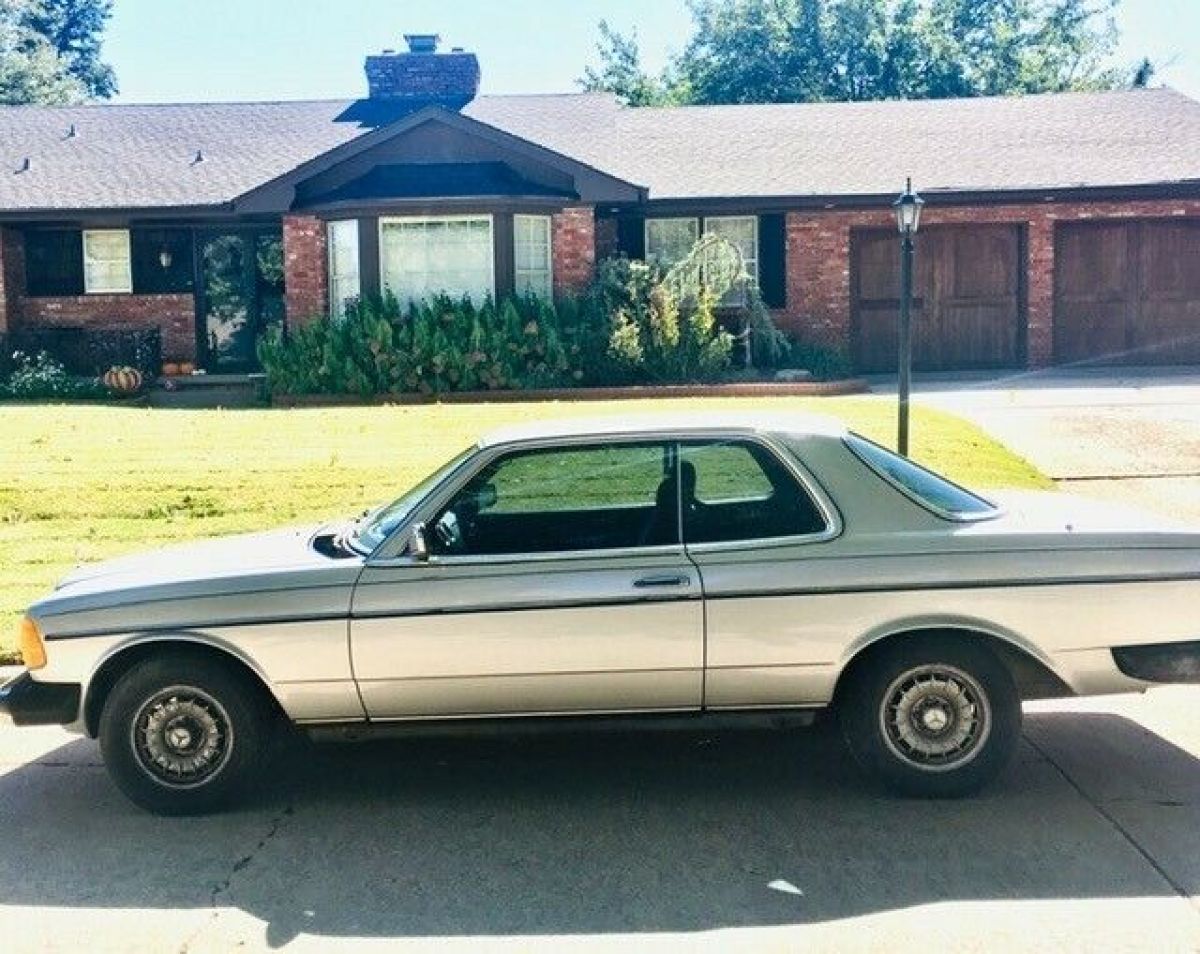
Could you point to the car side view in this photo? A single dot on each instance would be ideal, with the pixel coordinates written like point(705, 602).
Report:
point(743, 563)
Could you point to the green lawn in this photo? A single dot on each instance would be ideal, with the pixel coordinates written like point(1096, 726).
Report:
point(82, 483)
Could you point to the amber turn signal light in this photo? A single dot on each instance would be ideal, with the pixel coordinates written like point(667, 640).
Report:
point(33, 649)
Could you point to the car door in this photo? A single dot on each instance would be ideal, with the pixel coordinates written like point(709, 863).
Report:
point(555, 582)
point(751, 516)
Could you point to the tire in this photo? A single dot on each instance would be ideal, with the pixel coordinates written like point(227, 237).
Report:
point(184, 734)
point(931, 716)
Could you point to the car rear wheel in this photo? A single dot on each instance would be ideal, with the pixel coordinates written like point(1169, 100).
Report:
point(935, 717)
point(183, 734)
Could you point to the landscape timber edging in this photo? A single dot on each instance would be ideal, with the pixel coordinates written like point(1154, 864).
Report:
point(734, 389)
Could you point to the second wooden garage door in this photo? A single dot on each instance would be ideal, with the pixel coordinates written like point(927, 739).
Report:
point(966, 298)
point(1127, 292)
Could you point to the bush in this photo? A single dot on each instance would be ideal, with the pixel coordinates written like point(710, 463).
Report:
point(432, 347)
point(826, 364)
point(39, 376)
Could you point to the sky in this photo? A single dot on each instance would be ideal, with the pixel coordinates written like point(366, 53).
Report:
point(185, 50)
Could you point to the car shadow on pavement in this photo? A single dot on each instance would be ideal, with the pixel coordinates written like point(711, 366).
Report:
point(600, 832)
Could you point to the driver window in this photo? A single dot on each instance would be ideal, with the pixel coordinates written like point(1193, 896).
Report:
point(583, 497)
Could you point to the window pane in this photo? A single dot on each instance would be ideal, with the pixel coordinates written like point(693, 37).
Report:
point(344, 284)
point(669, 240)
point(741, 231)
point(106, 261)
point(741, 491)
point(533, 269)
point(580, 498)
point(424, 257)
point(930, 488)
point(54, 262)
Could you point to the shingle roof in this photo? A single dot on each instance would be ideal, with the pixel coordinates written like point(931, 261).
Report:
point(145, 156)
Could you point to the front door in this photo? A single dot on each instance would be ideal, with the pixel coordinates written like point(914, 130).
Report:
point(556, 583)
point(240, 296)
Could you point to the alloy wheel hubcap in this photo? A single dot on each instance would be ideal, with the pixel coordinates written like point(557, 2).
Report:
point(182, 737)
point(935, 717)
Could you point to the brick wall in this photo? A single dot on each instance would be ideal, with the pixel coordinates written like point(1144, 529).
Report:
point(818, 259)
point(574, 244)
point(174, 315)
point(305, 268)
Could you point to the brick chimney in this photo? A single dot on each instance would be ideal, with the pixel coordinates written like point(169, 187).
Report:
point(423, 75)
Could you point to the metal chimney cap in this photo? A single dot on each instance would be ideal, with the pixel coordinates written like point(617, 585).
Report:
point(422, 42)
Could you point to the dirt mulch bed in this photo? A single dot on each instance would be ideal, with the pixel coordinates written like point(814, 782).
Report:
point(737, 389)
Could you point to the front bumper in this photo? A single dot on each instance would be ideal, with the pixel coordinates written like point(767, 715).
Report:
point(1160, 662)
point(25, 701)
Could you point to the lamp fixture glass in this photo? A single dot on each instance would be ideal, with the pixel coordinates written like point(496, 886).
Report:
point(165, 258)
point(908, 210)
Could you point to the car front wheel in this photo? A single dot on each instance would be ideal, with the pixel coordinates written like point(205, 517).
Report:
point(931, 716)
point(183, 734)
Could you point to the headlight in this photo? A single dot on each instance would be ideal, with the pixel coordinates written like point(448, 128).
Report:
point(33, 649)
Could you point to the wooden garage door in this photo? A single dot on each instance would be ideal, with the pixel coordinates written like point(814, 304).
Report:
point(966, 298)
point(1127, 292)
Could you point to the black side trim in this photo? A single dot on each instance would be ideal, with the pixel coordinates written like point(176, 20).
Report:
point(655, 597)
point(28, 702)
point(948, 585)
point(1160, 662)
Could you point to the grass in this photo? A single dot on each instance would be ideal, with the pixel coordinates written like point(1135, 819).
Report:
point(82, 483)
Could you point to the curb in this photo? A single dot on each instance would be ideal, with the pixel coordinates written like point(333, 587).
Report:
point(739, 389)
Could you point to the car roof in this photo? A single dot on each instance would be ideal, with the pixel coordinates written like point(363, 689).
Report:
point(680, 424)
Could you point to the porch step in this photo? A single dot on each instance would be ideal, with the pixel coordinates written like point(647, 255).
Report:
point(207, 390)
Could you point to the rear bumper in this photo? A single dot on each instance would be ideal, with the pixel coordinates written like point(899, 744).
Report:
point(25, 701)
point(1160, 662)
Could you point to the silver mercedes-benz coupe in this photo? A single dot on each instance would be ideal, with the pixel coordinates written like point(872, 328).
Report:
point(688, 565)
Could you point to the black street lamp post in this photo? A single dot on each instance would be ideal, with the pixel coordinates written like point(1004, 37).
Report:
point(908, 218)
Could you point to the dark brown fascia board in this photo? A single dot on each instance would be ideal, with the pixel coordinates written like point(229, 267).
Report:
point(482, 204)
point(278, 195)
point(949, 197)
point(120, 217)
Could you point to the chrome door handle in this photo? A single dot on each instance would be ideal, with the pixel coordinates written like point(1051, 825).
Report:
point(666, 579)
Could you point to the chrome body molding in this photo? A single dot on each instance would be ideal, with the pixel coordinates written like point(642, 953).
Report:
point(741, 624)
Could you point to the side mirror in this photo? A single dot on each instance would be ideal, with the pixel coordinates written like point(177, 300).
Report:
point(418, 546)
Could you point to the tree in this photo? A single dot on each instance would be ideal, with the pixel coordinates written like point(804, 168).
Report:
point(773, 51)
point(50, 51)
point(621, 71)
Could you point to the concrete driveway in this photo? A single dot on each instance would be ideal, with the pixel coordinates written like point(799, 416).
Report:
point(1132, 437)
point(754, 841)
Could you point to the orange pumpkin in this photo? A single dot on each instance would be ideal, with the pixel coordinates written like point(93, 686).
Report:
point(123, 380)
point(170, 368)
point(186, 367)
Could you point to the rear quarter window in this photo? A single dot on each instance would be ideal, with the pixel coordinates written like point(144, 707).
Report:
point(934, 492)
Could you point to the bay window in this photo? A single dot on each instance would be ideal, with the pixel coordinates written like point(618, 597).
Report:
point(344, 282)
point(532, 258)
point(444, 255)
point(107, 262)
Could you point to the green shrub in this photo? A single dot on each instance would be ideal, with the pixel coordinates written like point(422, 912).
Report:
point(39, 376)
point(825, 363)
point(431, 347)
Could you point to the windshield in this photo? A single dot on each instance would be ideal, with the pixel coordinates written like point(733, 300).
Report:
point(936, 493)
point(378, 524)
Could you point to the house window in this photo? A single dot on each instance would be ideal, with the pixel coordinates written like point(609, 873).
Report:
point(741, 231)
point(344, 284)
point(448, 255)
point(106, 261)
point(670, 240)
point(533, 269)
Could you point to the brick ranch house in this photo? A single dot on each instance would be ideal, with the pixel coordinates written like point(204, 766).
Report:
point(1059, 228)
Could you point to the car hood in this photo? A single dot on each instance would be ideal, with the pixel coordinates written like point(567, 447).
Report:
point(250, 554)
